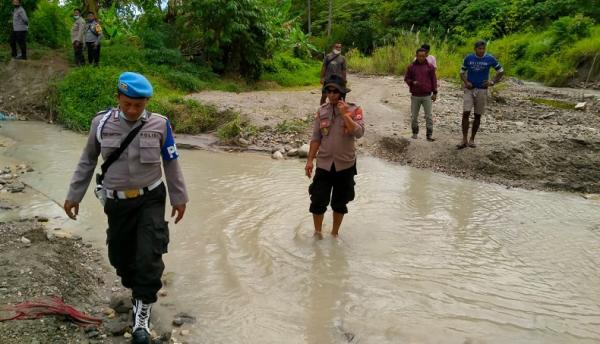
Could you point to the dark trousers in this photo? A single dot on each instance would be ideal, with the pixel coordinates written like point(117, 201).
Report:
point(332, 185)
point(137, 237)
point(78, 50)
point(93, 53)
point(20, 38)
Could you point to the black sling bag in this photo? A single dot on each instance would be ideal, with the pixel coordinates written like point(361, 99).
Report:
point(114, 156)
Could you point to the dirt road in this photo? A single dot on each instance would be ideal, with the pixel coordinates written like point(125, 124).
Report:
point(531, 135)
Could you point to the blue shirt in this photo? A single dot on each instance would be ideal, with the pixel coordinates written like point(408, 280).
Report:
point(478, 68)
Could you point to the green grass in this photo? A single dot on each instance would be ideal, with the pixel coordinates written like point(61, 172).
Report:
point(289, 71)
point(557, 104)
point(394, 59)
point(536, 55)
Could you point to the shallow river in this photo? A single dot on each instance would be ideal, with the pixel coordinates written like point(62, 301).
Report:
point(422, 257)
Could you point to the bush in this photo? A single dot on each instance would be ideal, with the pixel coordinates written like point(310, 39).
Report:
point(287, 70)
point(50, 25)
point(190, 117)
point(83, 92)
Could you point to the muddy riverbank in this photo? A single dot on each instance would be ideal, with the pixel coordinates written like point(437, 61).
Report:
point(531, 136)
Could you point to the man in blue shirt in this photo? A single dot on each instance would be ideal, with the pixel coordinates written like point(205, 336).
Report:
point(475, 74)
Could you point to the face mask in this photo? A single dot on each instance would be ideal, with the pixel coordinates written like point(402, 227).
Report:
point(336, 51)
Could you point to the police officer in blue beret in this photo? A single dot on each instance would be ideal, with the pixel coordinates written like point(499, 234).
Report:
point(133, 192)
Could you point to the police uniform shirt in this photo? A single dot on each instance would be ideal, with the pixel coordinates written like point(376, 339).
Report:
point(139, 165)
point(337, 143)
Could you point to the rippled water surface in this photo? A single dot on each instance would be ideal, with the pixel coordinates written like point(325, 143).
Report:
point(422, 258)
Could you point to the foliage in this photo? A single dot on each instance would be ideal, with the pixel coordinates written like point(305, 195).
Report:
point(232, 34)
point(190, 117)
point(83, 92)
point(50, 25)
point(287, 70)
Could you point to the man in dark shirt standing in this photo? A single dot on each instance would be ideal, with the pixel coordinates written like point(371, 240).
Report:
point(420, 77)
point(333, 64)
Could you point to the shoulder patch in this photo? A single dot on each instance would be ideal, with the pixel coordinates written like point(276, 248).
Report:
point(358, 114)
point(169, 149)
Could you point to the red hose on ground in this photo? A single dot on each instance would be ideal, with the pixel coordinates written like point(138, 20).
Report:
point(48, 306)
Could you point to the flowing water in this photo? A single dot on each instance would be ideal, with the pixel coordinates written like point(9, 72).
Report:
point(422, 257)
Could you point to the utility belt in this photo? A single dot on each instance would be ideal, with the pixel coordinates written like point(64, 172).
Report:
point(132, 193)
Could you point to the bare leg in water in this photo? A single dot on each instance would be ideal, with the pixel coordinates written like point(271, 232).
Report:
point(337, 222)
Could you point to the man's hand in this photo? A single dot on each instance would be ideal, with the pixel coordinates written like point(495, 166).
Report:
point(469, 85)
point(72, 209)
point(180, 210)
point(308, 169)
point(434, 97)
point(488, 83)
point(322, 81)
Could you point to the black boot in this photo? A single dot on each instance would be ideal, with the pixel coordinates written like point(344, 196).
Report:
point(141, 322)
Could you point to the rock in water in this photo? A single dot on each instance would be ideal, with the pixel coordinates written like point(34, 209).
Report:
point(303, 151)
point(277, 155)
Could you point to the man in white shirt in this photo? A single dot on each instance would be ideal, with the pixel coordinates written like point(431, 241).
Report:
point(430, 58)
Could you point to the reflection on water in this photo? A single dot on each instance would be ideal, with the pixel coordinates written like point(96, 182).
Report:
point(422, 258)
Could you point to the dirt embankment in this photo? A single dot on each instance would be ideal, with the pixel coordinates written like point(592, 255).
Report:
point(530, 137)
point(24, 88)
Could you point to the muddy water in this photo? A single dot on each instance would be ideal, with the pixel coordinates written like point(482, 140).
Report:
point(422, 258)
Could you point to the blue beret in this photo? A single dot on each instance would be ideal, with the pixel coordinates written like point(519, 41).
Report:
point(134, 85)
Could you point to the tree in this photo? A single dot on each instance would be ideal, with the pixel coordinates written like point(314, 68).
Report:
point(330, 19)
point(232, 34)
point(309, 23)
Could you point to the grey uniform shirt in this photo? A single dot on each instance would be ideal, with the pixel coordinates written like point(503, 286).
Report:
point(78, 30)
point(139, 165)
point(20, 20)
point(90, 35)
point(337, 143)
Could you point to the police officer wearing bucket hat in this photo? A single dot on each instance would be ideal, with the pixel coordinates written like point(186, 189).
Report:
point(336, 127)
point(137, 234)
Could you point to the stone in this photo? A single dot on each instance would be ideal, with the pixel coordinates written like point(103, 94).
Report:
point(127, 335)
point(185, 332)
point(50, 236)
point(303, 151)
point(580, 106)
point(287, 148)
point(277, 149)
point(162, 293)
point(116, 328)
point(25, 241)
point(183, 318)
point(42, 219)
point(121, 303)
point(292, 152)
point(109, 312)
point(277, 155)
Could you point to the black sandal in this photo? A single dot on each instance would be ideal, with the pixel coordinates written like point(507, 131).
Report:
point(462, 146)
